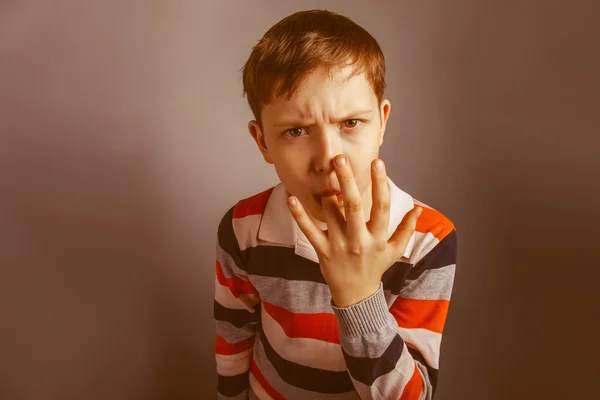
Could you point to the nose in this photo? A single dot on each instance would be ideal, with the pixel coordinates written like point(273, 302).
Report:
point(327, 146)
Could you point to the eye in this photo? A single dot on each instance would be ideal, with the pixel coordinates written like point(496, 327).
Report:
point(294, 132)
point(351, 123)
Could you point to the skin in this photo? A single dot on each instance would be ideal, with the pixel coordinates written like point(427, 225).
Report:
point(332, 117)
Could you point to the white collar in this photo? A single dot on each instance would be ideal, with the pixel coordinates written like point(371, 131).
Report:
point(277, 225)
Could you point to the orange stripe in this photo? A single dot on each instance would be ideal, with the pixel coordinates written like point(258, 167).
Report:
point(413, 388)
point(252, 205)
point(426, 314)
point(321, 326)
point(263, 382)
point(236, 285)
point(224, 348)
point(434, 222)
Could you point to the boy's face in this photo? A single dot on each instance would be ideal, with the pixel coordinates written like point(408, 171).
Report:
point(326, 116)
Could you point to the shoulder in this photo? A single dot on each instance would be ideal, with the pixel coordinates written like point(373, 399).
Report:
point(433, 222)
point(242, 219)
point(435, 234)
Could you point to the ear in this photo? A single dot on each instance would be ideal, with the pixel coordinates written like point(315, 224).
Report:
point(384, 113)
point(259, 138)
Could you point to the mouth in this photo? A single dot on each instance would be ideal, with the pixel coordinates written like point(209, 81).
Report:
point(319, 197)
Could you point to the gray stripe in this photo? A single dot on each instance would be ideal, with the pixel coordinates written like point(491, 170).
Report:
point(284, 388)
point(294, 296)
point(433, 284)
point(229, 267)
point(241, 396)
point(232, 334)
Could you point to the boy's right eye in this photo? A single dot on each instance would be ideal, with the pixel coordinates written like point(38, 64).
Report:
point(294, 132)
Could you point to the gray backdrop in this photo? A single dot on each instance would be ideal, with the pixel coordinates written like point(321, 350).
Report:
point(123, 141)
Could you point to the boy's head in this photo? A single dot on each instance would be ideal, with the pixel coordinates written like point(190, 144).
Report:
point(315, 84)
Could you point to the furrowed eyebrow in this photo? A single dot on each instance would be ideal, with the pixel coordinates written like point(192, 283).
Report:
point(299, 122)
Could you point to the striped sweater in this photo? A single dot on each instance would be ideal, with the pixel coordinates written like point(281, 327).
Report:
point(278, 335)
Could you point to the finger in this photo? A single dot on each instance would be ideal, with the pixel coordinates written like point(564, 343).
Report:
point(404, 231)
point(355, 218)
point(380, 209)
point(336, 225)
point(312, 232)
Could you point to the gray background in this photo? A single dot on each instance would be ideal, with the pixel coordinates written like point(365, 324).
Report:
point(123, 141)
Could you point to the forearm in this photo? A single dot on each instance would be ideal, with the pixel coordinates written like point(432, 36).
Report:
point(379, 363)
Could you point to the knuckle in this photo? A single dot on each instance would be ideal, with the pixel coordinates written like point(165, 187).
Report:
point(380, 244)
point(357, 249)
point(346, 180)
point(384, 207)
point(339, 246)
point(354, 206)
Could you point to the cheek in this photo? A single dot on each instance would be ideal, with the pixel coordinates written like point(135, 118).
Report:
point(362, 174)
point(288, 172)
point(362, 168)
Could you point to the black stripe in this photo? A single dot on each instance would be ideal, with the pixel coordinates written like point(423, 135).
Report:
point(282, 262)
point(442, 255)
point(228, 240)
point(237, 318)
point(366, 370)
point(432, 372)
point(394, 277)
point(231, 386)
point(307, 378)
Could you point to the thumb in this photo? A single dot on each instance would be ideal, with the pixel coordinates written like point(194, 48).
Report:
point(401, 236)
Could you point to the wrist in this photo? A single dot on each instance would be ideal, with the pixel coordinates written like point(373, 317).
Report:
point(369, 316)
point(350, 295)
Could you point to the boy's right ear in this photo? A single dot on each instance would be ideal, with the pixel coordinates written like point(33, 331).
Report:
point(259, 138)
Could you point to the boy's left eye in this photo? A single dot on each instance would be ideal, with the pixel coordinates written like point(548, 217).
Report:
point(351, 123)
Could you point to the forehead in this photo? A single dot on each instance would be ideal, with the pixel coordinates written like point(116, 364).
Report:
point(340, 91)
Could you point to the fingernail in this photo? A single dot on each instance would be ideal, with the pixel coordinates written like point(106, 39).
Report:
point(292, 202)
point(340, 161)
point(379, 164)
point(419, 211)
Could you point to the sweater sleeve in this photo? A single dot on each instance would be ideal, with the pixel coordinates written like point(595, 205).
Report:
point(236, 315)
point(392, 351)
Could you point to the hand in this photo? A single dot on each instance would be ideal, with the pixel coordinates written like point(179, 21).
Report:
point(354, 254)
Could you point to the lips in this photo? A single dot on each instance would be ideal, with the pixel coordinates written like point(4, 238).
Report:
point(330, 192)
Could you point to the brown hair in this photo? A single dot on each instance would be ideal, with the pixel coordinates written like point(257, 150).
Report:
point(303, 42)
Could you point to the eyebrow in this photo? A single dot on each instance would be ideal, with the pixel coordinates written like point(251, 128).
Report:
point(300, 122)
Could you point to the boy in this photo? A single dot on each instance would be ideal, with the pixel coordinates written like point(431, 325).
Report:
point(333, 284)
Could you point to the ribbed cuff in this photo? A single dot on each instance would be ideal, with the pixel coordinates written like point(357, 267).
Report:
point(370, 315)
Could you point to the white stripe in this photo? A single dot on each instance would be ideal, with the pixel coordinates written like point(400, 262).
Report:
point(225, 298)
point(424, 243)
point(390, 385)
point(258, 390)
point(309, 352)
point(233, 364)
point(246, 230)
point(427, 342)
point(244, 302)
